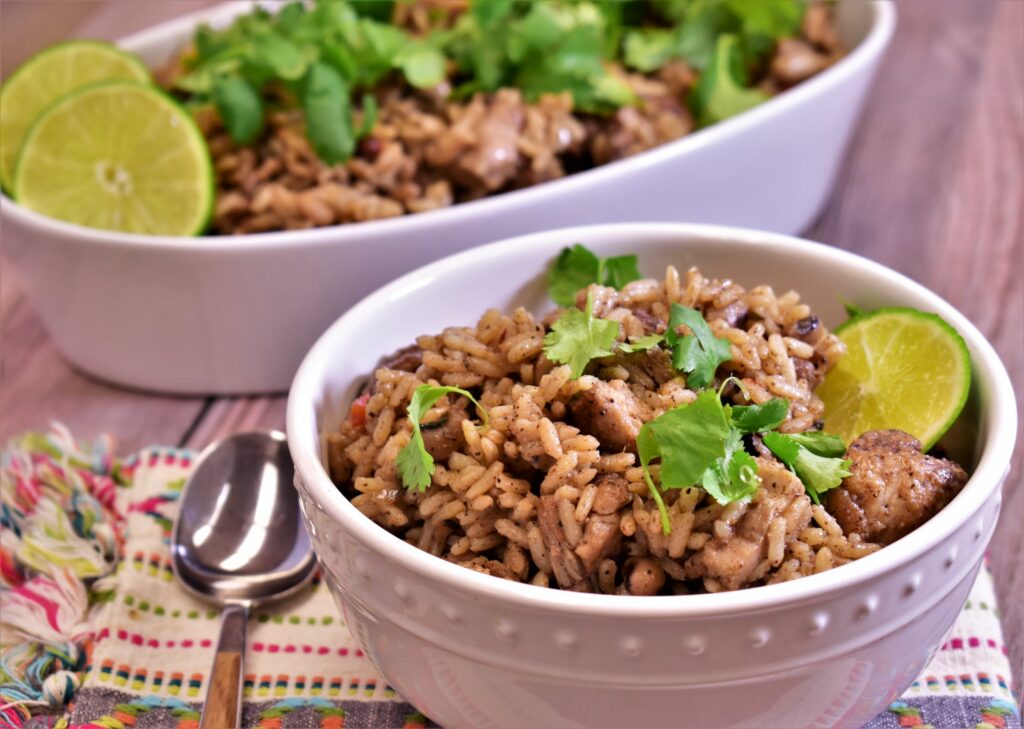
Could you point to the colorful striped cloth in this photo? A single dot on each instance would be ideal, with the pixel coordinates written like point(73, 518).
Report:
point(95, 632)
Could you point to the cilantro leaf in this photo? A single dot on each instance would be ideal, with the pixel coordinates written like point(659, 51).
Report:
point(648, 49)
point(852, 310)
point(697, 354)
point(574, 269)
point(648, 448)
point(642, 344)
point(578, 337)
point(695, 445)
point(620, 270)
point(328, 114)
point(240, 107)
point(278, 55)
point(771, 18)
point(759, 418)
point(414, 464)
point(733, 476)
point(577, 267)
point(721, 90)
point(807, 455)
point(422, 64)
point(823, 444)
point(690, 437)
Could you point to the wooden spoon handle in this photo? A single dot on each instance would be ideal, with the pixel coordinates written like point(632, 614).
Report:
point(223, 707)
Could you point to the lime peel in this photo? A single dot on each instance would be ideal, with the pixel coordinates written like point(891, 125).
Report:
point(48, 76)
point(904, 369)
point(119, 156)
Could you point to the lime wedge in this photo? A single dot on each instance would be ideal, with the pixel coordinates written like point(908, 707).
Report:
point(903, 369)
point(49, 75)
point(119, 156)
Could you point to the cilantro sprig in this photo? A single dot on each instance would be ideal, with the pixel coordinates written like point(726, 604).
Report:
point(314, 56)
point(415, 465)
point(698, 354)
point(263, 59)
point(578, 337)
point(701, 444)
point(578, 267)
point(642, 344)
point(816, 458)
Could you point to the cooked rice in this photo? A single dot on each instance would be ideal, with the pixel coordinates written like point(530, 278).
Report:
point(486, 506)
point(427, 151)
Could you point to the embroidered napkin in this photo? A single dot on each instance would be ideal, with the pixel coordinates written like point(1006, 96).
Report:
point(140, 654)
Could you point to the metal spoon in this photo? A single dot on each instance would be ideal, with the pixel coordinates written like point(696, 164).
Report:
point(238, 541)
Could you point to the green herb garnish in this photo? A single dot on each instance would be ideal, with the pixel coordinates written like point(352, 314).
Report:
point(578, 267)
point(722, 90)
point(328, 116)
point(697, 445)
point(697, 25)
point(642, 344)
point(557, 46)
point(578, 337)
point(415, 465)
point(240, 107)
point(759, 418)
point(733, 477)
point(816, 459)
point(701, 444)
point(697, 354)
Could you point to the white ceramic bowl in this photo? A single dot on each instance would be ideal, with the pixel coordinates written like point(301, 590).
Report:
point(829, 650)
point(235, 315)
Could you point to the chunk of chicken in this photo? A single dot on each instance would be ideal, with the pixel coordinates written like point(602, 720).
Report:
point(795, 61)
point(601, 538)
point(610, 412)
point(568, 568)
point(492, 158)
point(444, 436)
point(734, 314)
point(733, 559)
point(612, 494)
point(893, 487)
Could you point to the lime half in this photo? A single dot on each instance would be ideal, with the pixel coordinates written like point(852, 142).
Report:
point(118, 156)
point(49, 75)
point(904, 369)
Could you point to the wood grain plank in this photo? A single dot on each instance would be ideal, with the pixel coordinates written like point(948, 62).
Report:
point(886, 204)
point(233, 415)
point(117, 18)
point(24, 28)
point(30, 25)
point(976, 262)
point(37, 387)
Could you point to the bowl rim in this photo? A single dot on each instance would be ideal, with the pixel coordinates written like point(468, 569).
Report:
point(871, 47)
point(995, 388)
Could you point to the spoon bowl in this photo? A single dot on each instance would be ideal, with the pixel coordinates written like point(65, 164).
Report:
point(238, 541)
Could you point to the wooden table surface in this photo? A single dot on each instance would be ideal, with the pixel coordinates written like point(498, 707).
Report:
point(933, 186)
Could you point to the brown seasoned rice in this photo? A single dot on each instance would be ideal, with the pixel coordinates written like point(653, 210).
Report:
point(427, 151)
point(520, 498)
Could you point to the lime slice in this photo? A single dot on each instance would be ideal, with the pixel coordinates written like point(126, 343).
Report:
point(119, 156)
point(49, 75)
point(903, 369)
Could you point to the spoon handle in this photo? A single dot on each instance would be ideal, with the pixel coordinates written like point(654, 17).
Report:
point(223, 706)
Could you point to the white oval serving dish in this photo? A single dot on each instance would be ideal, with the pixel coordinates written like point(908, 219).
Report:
point(224, 315)
point(471, 650)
